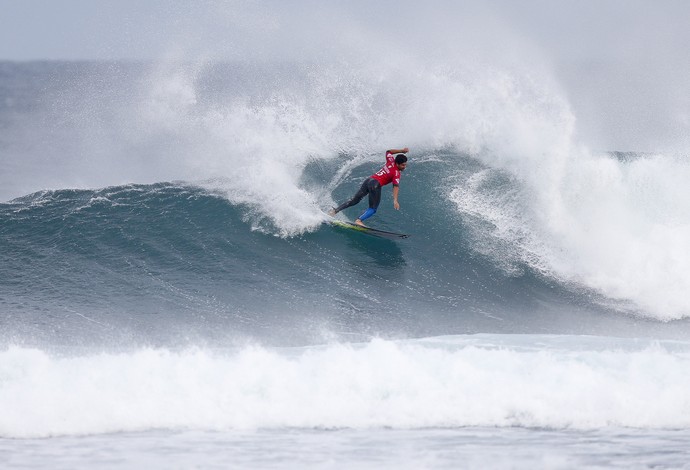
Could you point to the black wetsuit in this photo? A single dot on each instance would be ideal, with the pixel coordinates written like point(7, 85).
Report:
point(370, 186)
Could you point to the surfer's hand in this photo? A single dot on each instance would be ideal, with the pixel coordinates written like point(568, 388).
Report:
point(405, 150)
point(396, 205)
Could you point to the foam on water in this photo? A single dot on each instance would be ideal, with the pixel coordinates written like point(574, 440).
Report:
point(528, 381)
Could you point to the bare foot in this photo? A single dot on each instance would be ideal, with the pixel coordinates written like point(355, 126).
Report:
point(331, 212)
point(359, 222)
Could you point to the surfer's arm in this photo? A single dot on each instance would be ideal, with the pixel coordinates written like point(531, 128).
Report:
point(396, 189)
point(405, 150)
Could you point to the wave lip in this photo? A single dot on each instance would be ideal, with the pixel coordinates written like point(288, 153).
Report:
point(554, 382)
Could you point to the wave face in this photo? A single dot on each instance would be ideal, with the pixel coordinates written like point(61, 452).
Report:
point(172, 264)
point(178, 264)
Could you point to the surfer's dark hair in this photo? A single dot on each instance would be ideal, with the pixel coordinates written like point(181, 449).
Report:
point(400, 158)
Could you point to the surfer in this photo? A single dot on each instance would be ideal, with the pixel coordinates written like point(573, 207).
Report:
point(389, 173)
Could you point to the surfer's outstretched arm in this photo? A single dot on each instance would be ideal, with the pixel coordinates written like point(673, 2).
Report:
point(405, 150)
point(396, 190)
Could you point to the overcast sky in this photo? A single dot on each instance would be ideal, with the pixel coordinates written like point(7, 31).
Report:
point(107, 29)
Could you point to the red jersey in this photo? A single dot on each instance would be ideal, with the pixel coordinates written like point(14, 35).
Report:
point(389, 172)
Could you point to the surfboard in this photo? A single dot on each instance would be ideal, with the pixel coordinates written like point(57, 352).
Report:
point(368, 230)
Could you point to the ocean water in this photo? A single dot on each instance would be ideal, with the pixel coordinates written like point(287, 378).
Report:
point(171, 296)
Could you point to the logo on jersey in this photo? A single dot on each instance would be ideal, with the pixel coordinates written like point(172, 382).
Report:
point(383, 171)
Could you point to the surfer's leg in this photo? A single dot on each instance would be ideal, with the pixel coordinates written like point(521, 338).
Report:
point(363, 190)
point(374, 188)
point(374, 193)
point(367, 213)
